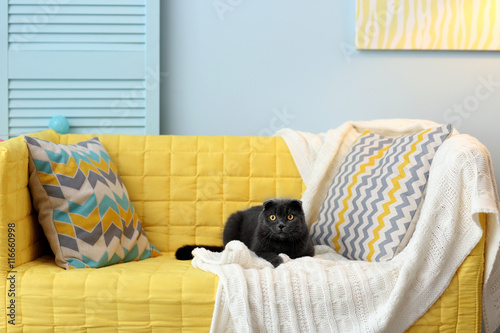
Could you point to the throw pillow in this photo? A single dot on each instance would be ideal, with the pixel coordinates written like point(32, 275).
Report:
point(83, 205)
point(370, 206)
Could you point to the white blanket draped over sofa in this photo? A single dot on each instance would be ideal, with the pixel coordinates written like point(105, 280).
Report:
point(329, 293)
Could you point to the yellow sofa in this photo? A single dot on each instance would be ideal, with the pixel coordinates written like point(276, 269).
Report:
point(183, 189)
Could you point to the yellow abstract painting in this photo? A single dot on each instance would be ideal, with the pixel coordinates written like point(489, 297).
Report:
point(428, 24)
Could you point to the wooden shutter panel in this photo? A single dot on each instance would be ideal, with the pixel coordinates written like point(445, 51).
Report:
point(95, 62)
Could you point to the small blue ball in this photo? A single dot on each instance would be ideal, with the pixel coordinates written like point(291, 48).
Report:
point(59, 124)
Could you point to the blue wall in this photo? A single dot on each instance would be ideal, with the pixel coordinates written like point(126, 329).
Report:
point(241, 67)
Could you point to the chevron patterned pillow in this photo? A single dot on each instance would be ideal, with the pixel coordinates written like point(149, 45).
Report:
point(83, 205)
point(368, 213)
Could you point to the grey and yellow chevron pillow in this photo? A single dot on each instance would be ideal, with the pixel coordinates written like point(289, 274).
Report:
point(83, 205)
point(368, 213)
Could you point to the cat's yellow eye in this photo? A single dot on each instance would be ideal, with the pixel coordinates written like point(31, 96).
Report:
point(272, 217)
point(290, 217)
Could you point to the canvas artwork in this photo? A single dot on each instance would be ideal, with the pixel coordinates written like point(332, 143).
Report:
point(428, 24)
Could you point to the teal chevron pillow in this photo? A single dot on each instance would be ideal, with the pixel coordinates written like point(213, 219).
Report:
point(83, 205)
point(369, 208)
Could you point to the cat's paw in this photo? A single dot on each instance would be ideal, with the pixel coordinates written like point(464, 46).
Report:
point(285, 257)
point(276, 261)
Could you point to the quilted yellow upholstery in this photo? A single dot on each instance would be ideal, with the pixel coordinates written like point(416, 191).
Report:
point(459, 308)
point(183, 188)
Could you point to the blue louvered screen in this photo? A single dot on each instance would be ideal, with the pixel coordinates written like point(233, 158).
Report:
point(95, 62)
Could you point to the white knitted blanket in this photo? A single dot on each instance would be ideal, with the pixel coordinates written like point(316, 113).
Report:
point(329, 293)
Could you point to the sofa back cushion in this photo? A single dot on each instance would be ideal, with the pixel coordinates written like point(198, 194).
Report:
point(185, 187)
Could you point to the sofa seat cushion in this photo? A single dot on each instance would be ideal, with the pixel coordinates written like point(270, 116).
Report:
point(143, 296)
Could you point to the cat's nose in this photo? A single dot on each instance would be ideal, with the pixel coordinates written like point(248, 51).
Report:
point(281, 226)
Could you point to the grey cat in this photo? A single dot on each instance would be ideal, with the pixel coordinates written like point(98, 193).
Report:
point(277, 226)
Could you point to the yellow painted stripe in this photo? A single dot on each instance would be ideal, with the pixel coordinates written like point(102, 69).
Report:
point(392, 198)
point(490, 32)
point(392, 28)
point(371, 162)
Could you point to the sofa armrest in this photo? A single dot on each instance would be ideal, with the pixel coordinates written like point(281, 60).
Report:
point(21, 236)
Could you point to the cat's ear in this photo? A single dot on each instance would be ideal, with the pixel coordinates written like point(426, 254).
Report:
point(268, 204)
point(297, 204)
